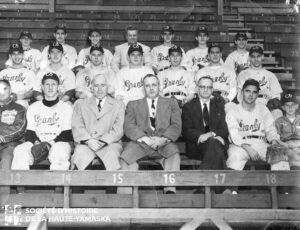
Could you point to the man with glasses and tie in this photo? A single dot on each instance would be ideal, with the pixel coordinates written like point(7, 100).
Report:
point(152, 124)
point(97, 127)
point(204, 127)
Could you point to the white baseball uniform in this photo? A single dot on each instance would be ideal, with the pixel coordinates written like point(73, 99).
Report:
point(21, 81)
point(120, 58)
point(254, 128)
point(32, 59)
point(237, 60)
point(65, 75)
point(85, 76)
point(83, 57)
point(129, 82)
point(69, 56)
point(160, 57)
point(269, 84)
point(224, 79)
point(177, 83)
point(47, 123)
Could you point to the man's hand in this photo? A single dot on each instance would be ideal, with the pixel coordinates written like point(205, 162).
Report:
point(202, 138)
point(94, 144)
point(252, 152)
point(159, 142)
point(147, 140)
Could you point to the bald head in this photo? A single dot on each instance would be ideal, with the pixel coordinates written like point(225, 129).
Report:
point(100, 86)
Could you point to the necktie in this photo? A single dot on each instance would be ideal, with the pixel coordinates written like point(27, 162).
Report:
point(99, 105)
point(205, 116)
point(152, 117)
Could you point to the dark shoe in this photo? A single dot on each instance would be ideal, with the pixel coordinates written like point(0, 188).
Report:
point(200, 191)
point(170, 192)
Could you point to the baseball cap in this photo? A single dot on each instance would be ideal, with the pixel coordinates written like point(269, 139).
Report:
point(175, 49)
point(202, 29)
point(288, 97)
point(256, 49)
point(97, 47)
point(55, 45)
point(212, 45)
point(50, 75)
point(251, 82)
point(241, 35)
point(25, 34)
point(135, 47)
point(60, 27)
point(167, 29)
point(16, 46)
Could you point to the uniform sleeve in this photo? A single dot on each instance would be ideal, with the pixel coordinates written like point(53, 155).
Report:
point(37, 60)
point(191, 86)
point(184, 61)
point(31, 78)
point(270, 129)
point(80, 133)
point(72, 57)
point(230, 61)
point(233, 128)
point(16, 130)
point(160, 76)
point(111, 76)
point(66, 134)
point(275, 87)
point(69, 83)
point(240, 83)
point(119, 84)
point(81, 58)
point(154, 58)
point(8, 62)
point(116, 61)
point(44, 58)
point(147, 56)
point(108, 56)
point(38, 81)
point(233, 87)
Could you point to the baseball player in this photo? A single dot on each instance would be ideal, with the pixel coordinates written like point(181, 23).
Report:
point(120, 58)
point(160, 54)
point(224, 78)
point(12, 125)
point(269, 85)
point(32, 57)
point(69, 55)
point(94, 39)
point(176, 81)
point(129, 80)
point(251, 128)
point(67, 78)
point(48, 126)
point(96, 67)
point(288, 127)
point(197, 58)
point(239, 59)
point(20, 78)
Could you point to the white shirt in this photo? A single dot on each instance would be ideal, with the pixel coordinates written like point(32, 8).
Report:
point(83, 57)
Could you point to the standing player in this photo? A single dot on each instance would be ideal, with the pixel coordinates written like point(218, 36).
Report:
point(176, 81)
point(160, 54)
point(270, 88)
point(66, 87)
point(224, 79)
point(85, 76)
point(20, 78)
point(251, 127)
point(48, 125)
point(120, 59)
point(129, 79)
point(69, 56)
point(32, 57)
point(239, 59)
point(94, 39)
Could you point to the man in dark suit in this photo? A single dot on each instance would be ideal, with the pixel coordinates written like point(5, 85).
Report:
point(152, 124)
point(204, 127)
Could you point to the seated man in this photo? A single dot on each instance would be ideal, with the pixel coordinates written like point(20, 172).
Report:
point(251, 128)
point(48, 131)
point(152, 124)
point(97, 126)
point(288, 127)
point(204, 127)
point(12, 125)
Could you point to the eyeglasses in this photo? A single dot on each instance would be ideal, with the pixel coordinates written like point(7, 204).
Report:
point(203, 87)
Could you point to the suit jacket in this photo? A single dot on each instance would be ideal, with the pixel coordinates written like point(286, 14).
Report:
point(120, 58)
point(193, 126)
point(106, 125)
point(168, 119)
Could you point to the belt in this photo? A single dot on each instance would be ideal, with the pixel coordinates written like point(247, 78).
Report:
point(254, 137)
point(174, 93)
point(164, 68)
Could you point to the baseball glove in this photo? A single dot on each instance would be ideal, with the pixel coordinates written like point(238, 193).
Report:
point(40, 151)
point(277, 153)
point(274, 104)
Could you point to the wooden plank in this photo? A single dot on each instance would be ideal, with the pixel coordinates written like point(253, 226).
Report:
point(257, 5)
point(277, 28)
point(52, 4)
point(292, 200)
point(96, 200)
point(66, 196)
point(220, 223)
point(274, 197)
point(36, 199)
point(207, 197)
point(261, 11)
point(193, 224)
point(29, 7)
point(21, 2)
point(150, 178)
point(163, 216)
